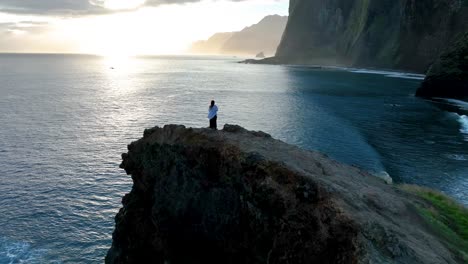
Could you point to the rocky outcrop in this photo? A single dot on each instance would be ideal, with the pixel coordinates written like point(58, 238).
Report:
point(448, 76)
point(265, 36)
point(236, 196)
point(394, 34)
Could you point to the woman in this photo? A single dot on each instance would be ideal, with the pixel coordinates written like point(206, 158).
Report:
point(212, 115)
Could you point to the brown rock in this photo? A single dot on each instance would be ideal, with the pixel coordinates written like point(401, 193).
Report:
point(235, 196)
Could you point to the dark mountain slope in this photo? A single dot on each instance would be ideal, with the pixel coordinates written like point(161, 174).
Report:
point(393, 34)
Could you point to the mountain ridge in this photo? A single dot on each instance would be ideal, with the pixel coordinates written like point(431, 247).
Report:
point(263, 36)
point(403, 35)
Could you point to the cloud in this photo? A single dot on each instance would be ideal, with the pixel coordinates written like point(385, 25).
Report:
point(162, 2)
point(51, 7)
point(23, 27)
point(80, 7)
point(31, 37)
point(165, 2)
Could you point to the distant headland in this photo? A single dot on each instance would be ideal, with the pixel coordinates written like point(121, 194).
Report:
point(412, 36)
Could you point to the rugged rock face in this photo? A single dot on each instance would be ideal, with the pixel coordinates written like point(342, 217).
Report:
point(396, 34)
point(448, 76)
point(234, 196)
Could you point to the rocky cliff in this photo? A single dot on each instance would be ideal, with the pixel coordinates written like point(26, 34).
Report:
point(235, 196)
point(261, 37)
point(212, 45)
point(393, 34)
point(448, 76)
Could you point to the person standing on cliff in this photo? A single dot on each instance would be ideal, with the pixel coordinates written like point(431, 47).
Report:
point(213, 114)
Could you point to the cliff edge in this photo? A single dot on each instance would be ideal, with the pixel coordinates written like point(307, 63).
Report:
point(391, 34)
point(237, 196)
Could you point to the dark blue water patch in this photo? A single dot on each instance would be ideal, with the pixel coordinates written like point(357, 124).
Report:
point(415, 141)
point(319, 129)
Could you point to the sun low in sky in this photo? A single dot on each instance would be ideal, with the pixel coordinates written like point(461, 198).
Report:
point(123, 27)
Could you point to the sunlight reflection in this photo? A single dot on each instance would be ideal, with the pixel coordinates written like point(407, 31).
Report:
point(119, 60)
point(120, 71)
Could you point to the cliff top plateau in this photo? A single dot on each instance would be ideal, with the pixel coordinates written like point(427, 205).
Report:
point(237, 196)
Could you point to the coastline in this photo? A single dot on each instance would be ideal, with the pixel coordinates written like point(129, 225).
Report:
point(397, 73)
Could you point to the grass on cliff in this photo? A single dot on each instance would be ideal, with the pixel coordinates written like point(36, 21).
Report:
point(446, 217)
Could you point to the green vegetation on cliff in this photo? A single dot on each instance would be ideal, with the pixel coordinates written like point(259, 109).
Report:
point(445, 216)
point(396, 34)
point(238, 196)
point(358, 21)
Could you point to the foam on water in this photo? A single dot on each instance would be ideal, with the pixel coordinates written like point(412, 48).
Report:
point(462, 104)
point(383, 175)
point(406, 76)
point(463, 124)
point(458, 157)
point(19, 252)
point(391, 74)
point(463, 119)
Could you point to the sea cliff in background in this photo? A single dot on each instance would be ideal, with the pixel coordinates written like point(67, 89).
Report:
point(213, 45)
point(393, 34)
point(448, 76)
point(261, 37)
point(237, 196)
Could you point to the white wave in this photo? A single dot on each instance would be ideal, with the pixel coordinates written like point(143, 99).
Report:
point(394, 105)
point(406, 76)
point(383, 175)
point(391, 74)
point(462, 104)
point(463, 120)
point(19, 252)
point(459, 157)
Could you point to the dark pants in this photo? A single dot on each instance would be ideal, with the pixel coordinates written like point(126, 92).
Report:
point(213, 122)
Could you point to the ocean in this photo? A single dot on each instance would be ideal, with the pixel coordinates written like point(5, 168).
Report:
point(66, 119)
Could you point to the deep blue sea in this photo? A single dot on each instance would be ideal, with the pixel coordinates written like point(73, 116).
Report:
point(65, 120)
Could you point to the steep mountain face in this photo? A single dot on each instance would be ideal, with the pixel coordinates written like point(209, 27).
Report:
point(394, 34)
point(261, 37)
point(236, 196)
point(212, 45)
point(448, 76)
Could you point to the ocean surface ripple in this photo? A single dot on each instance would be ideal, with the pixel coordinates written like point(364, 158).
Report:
point(66, 119)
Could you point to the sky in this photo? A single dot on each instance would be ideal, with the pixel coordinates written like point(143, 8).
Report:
point(123, 27)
